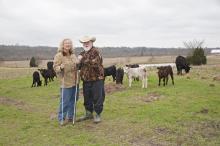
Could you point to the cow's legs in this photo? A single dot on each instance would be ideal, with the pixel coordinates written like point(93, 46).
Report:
point(144, 82)
point(130, 81)
point(166, 80)
point(45, 82)
point(171, 75)
point(159, 81)
point(113, 77)
point(32, 84)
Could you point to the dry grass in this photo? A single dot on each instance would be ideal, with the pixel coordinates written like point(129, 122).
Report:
point(14, 69)
point(9, 73)
point(212, 59)
point(22, 64)
point(140, 60)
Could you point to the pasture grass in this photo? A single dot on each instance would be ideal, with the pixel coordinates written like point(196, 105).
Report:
point(187, 113)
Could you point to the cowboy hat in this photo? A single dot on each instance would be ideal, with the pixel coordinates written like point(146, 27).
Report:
point(87, 39)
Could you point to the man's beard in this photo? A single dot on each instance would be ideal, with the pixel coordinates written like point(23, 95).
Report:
point(87, 48)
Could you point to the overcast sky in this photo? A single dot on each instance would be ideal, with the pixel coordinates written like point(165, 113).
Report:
point(150, 23)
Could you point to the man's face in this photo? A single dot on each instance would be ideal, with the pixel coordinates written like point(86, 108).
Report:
point(87, 45)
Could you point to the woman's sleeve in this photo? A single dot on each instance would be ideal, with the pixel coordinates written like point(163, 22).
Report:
point(57, 62)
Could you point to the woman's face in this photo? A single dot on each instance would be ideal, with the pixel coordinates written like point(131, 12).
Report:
point(67, 45)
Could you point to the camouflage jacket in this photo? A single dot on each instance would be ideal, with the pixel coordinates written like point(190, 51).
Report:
point(91, 65)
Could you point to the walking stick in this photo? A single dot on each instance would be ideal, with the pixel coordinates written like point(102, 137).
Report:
point(62, 99)
point(74, 114)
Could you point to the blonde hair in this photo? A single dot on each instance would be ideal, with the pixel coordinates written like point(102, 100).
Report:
point(60, 49)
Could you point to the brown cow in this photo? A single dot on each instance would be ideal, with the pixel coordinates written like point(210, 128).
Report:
point(163, 73)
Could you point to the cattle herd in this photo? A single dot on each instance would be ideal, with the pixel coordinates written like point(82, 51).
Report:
point(48, 75)
point(133, 72)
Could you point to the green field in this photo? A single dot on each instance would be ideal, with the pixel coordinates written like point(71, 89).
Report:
point(187, 114)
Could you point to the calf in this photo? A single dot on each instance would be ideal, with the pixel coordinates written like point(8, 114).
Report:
point(51, 73)
point(50, 65)
point(36, 79)
point(181, 64)
point(110, 71)
point(133, 66)
point(137, 72)
point(51, 70)
point(163, 73)
point(119, 76)
point(45, 74)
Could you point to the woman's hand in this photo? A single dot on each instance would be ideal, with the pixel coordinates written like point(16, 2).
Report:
point(62, 66)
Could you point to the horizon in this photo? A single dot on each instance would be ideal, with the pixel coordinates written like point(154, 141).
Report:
point(20, 45)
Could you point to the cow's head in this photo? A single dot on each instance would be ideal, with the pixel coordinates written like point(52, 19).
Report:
point(187, 68)
point(125, 68)
point(42, 70)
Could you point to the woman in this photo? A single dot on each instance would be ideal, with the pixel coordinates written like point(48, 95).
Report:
point(65, 68)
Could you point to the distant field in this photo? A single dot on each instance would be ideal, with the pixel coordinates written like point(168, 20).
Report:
point(186, 114)
point(13, 69)
point(212, 59)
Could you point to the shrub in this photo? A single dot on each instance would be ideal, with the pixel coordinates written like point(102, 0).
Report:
point(198, 57)
point(33, 62)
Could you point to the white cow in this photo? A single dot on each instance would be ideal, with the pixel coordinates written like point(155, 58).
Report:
point(136, 72)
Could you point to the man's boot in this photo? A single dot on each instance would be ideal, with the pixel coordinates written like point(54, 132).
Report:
point(97, 118)
point(87, 116)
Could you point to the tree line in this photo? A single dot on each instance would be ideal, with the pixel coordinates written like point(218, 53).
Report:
point(14, 52)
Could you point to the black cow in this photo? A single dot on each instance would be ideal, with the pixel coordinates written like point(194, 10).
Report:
point(51, 70)
point(52, 74)
point(163, 73)
point(36, 79)
point(119, 76)
point(110, 71)
point(50, 65)
point(46, 75)
point(181, 63)
point(132, 65)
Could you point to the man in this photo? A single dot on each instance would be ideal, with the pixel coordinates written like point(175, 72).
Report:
point(92, 75)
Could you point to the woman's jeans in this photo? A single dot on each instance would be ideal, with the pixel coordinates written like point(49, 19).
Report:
point(67, 103)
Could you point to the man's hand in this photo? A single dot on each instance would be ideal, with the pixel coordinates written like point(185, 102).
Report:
point(80, 57)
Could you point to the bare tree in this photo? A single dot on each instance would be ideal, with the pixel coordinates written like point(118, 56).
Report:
point(194, 44)
point(197, 54)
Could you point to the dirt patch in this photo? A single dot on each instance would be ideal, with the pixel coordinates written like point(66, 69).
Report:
point(204, 78)
point(16, 103)
point(141, 140)
point(163, 131)
point(112, 87)
point(151, 97)
point(216, 78)
point(109, 88)
point(206, 129)
point(9, 101)
point(53, 116)
point(202, 111)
